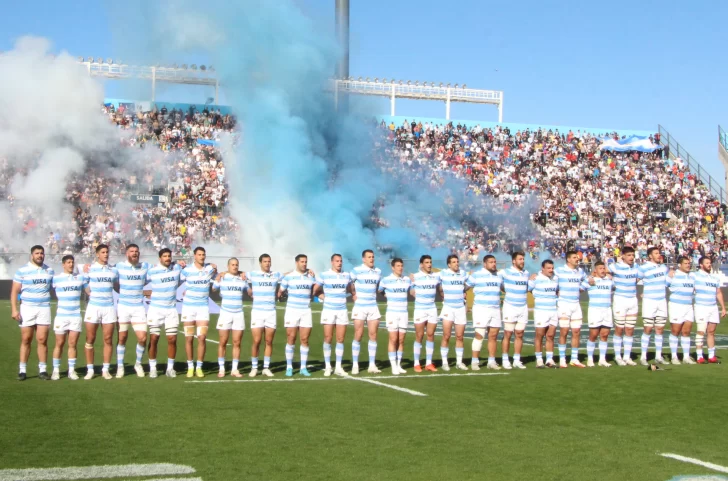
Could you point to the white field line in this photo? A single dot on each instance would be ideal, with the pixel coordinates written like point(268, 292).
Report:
point(174, 479)
point(96, 472)
point(381, 384)
point(306, 379)
point(684, 459)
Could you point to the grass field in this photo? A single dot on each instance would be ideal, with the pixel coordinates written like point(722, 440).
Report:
point(562, 424)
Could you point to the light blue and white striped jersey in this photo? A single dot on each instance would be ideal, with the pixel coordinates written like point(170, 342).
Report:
point(486, 288)
point(544, 291)
point(569, 283)
point(132, 279)
point(231, 292)
point(706, 287)
point(299, 287)
point(35, 284)
point(101, 279)
point(654, 280)
point(396, 289)
point(425, 288)
point(625, 279)
point(515, 283)
point(334, 285)
point(264, 285)
point(197, 285)
point(453, 287)
point(365, 281)
point(600, 294)
point(164, 285)
point(68, 289)
point(682, 286)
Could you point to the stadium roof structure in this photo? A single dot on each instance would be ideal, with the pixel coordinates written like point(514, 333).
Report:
point(392, 89)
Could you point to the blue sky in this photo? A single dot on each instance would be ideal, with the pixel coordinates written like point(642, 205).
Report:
point(619, 64)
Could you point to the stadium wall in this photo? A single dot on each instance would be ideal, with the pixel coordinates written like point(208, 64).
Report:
point(399, 119)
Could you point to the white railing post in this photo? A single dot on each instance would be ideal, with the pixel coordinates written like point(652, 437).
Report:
point(500, 109)
point(392, 101)
point(154, 83)
point(447, 105)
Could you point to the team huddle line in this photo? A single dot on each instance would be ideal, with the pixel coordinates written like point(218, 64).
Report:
point(612, 292)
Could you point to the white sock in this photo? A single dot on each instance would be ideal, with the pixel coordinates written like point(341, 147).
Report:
point(658, 345)
point(392, 358)
point(590, 346)
point(685, 345)
point(304, 356)
point(339, 354)
point(355, 347)
point(429, 351)
point(139, 353)
point(221, 363)
point(645, 344)
point(266, 362)
point(459, 354)
point(23, 367)
point(627, 340)
point(400, 355)
point(170, 364)
point(327, 354)
point(673, 340)
point(254, 362)
point(417, 352)
point(120, 352)
point(711, 352)
point(290, 350)
point(372, 348)
point(152, 364)
point(235, 364)
point(603, 346)
point(443, 354)
point(617, 341)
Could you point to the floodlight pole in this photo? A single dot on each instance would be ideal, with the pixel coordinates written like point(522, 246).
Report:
point(342, 36)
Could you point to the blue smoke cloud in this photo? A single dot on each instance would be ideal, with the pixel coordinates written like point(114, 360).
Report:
point(303, 179)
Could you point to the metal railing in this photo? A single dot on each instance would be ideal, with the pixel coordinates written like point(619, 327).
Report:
point(675, 150)
point(723, 137)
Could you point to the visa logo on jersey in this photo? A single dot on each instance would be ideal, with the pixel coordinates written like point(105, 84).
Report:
point(426, 286)
point(368, 281)
point(70, 288)
point(104, 279)
point(167, 279)
point(134, 277)
point(491, 284)
point(40, 281)
point(235, 288)
point(338, 286)
point(302, 286)
point(265, 284)
point(399, 290)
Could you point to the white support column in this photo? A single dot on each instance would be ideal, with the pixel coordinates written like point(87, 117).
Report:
point(500, 109)
point(336, 95)
point(154, 83)
point(392, 101)
point(447, 105)
point(217, 91)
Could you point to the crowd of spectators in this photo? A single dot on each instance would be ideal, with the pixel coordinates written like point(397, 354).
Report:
point(547, 191)
point(543, 191)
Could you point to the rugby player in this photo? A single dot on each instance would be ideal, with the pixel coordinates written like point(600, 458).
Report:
point(486, 284)
point(32, 283)
point(625, 275)
point(67, 325)
point(365, 279)
point(196, 309)
point(515, 308)
point(654, 303)
point(680, 309)
point(570, 277)
point(453, 311)
point(707, 292)
point(102, 279)
point(164, 279)
point(263, 285)
point(231, 285)
point(130, 307)
point(395, 288)
point(425, 284)
point(298, 320)
point(599, 287)
point(545, 288)
point(332, 287)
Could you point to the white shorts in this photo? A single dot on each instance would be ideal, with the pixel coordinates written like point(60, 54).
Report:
point(680, 313)
point(63, 324)
point(231, 320)
point(365, 313)
point(624, 307)
point(571, 311)
point(543, 318)
point(195, 313)
point(397, 321)
point(514, 318)
point(339, 318)
point(262, 319)
point(707, 314)
point(425, 315)
point(298, 318)
point(486, 316)
point(600, 317)
point(134, 315)
point(458, 315)
point(652, 308)
point(163, 317)
point(97, 314)
point(34, 316)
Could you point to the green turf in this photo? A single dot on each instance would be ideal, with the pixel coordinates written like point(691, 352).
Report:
point(567, 424)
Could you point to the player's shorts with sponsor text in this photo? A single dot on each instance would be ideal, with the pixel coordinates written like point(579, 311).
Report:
point(335, 317)
point(652, 308)
point(100, 315)
point(262, 319)
point(486, 317)
point(166, 317)
point(34, 316)
point(707, 314)
point(370, 313)
point(298, 318)
point(623, 307)
point(231, 320)
point(458, 315)
point(397, 321)
point(129, 314)
point(680, 313)
point(195, 313)
point(543, 318)
point(63, 324)
point(515, 317)
point(425, 315)
point(600, 317)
